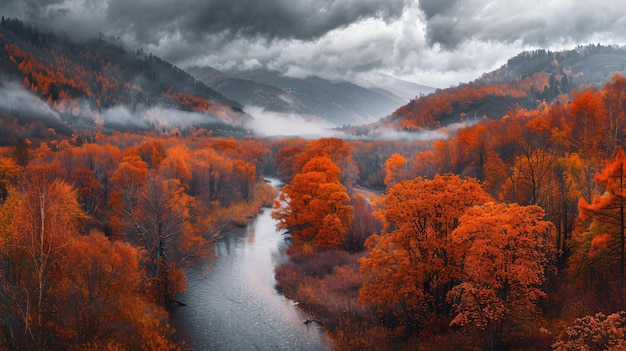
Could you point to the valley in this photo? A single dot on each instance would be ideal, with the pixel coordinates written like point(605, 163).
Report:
point(144, 206)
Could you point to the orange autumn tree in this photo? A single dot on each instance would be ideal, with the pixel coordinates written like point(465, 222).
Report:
point(615, 101)
point(62, 289)
point(597, 332)
point(609, 209)
point(425, 164)
point(589, 124)
point(156, 212)
point(504, 252)
point(43, 221)
point(410, 267)
point(395, 170)
point(90, 191)
point(210, 171)
point(315, 207)
point(337, 150)
point(99, 283)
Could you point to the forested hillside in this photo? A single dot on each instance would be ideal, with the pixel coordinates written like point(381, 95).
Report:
point(83, 81)
point(525, 80)
point(504, 236)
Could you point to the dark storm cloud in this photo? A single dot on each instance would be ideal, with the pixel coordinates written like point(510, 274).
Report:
point(148, 20)
point(431, 8)
point(270, 19)
point(78, 18)
point(186, 30)
point(442, 22)
point(435, 42)
point(445, 31)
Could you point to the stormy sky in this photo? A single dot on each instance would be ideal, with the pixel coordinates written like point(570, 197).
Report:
point(432, 42)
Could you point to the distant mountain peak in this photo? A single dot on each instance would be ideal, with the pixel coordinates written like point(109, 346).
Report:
point(402, 88)
point(339, 102)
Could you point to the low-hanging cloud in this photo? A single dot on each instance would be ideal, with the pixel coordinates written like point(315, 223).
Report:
point(15, 99)
point(268, 123)
point(121, 116)
point(423, 135)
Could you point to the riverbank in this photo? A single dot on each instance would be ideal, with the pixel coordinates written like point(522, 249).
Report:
point(236, 306)
point(326, 285)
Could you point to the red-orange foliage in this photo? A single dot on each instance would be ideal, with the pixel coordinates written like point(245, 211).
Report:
point(64, 290)
point(338, 151)
point(157, 213)
point(427, 111)
point(615, 97)
point(589, 123)
point(505, 252)
point(364, 223)
point(410, 266)
point(188, 101)
point(610, 208)
point(395, 170)
point(210, 171)
point(315, 206)
point(89, 190)
point(80, 79)
point(99, 284)
point(370, 158)
point(597, 332)
point(425, 165)
point(472, 149)
point(284, 161)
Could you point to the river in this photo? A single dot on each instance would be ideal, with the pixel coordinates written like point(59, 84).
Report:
point(235, 306)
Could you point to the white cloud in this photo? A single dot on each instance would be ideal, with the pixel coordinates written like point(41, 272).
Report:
point(156, 116)
point(14, 98)
point(425, 135)
point(432, 42)
point(267, 123)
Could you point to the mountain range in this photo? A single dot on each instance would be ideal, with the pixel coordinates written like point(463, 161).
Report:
point(339, 103)
point(98, 83)
point(50, 81)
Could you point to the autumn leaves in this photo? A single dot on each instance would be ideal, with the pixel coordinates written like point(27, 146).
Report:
point(448, 249)
point(315, 207)
point(94, 236)
point(60, 287)
point(154, 211)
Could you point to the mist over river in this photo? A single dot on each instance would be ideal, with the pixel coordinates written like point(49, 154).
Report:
point(235, 306)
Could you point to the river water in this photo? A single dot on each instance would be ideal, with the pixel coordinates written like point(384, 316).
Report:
point(235, 306)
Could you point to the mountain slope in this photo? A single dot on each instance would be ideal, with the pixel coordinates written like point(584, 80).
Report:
point(524, 80)
point(584, 65)
point(83, 81)
point(246, 91)
point(386, 84)
point(338, 102)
